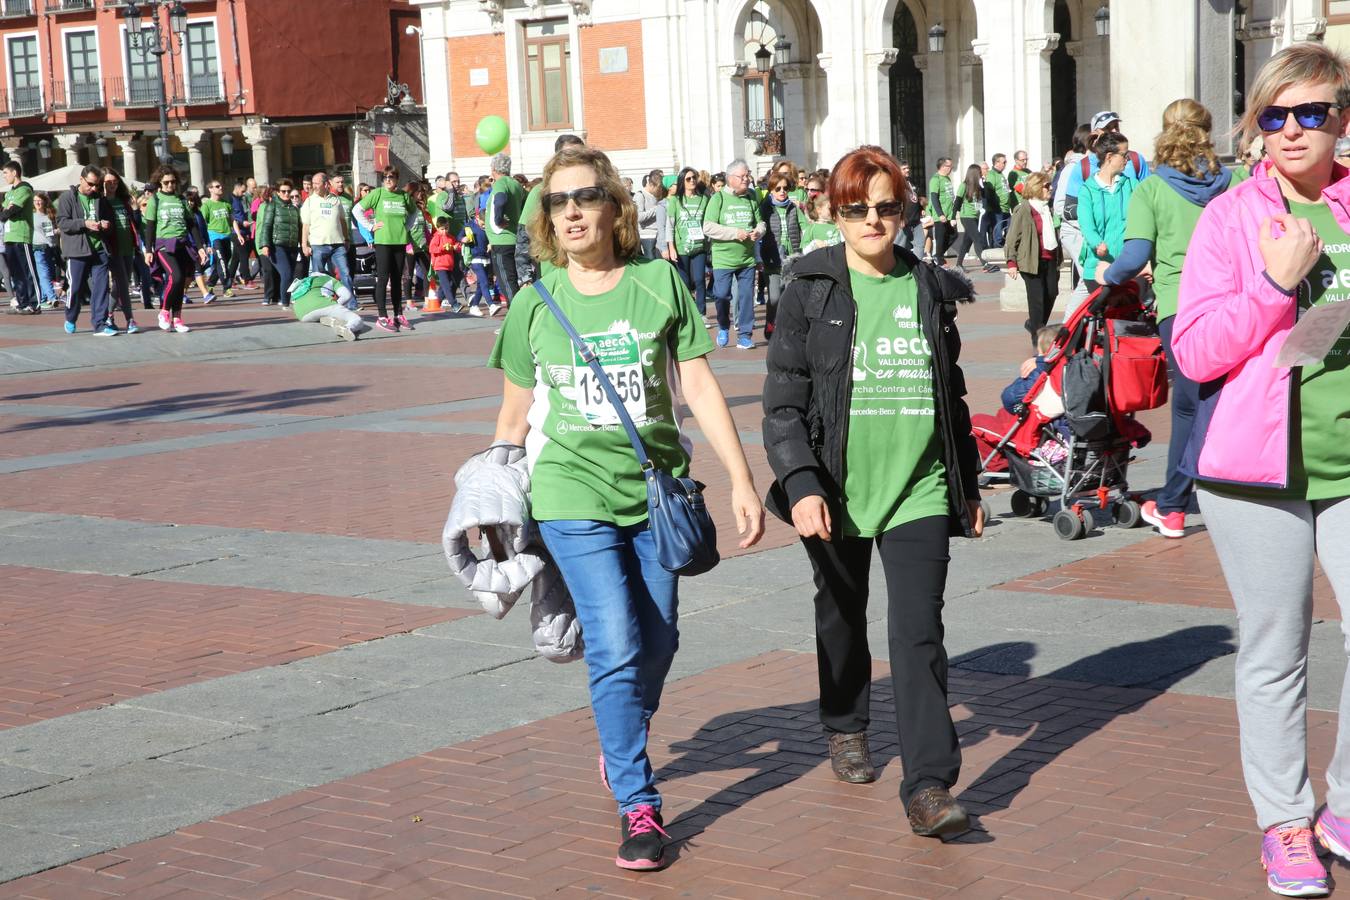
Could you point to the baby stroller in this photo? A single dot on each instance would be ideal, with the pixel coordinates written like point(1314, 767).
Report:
point(1070, 437)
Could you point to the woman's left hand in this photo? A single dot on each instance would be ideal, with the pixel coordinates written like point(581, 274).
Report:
point(976, 510)
point(749, 512)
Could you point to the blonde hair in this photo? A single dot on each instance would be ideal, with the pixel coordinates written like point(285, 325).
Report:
point(544, 237)
point(818, 205)
point(1045, 338)
point(1306, 62)
point(1037, 184)
point(1184, 143)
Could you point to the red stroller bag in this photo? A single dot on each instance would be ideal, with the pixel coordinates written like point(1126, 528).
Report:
point(1138, 369)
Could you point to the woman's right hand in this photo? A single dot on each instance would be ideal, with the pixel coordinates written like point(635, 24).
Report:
point(1291, 256)
point(811, 517)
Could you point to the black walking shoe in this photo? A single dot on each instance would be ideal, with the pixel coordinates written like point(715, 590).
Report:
point(642, 848)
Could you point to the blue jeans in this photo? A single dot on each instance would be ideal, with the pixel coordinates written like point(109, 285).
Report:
point(44, 257)
point(88, 281)
point(694, 269)
point(283, 258)
point(1175, 495)
point(331, 259)
point(745, 299)
point(626, 606)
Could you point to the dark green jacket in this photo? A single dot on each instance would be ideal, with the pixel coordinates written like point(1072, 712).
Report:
point(278, 224)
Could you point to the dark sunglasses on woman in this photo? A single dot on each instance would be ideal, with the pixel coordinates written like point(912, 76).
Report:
point(1312, 114)
point(592, 197)
point(856, 211)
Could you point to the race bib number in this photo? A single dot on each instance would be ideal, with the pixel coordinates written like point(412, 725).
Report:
point(695, 230)
point(620, 355)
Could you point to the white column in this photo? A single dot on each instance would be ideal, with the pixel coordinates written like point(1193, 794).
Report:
point(259, 138)
point(436, 89)
point(970, 128)
point(194, 140)
point(71, 143)
point(1001, 52)
point(877, 83)
point(131, 160)
point(13, 149)
point(1132, 42)
point(735, 145)
point(1034, 135)
point(938, 135)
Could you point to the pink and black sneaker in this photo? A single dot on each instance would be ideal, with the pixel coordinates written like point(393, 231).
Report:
point(404, 323)
point(643, 848)
point(386, 324)
point(1333, 832)
point(1292, 866)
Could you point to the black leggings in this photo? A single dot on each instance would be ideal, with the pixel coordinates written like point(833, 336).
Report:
point(413, 287)
point(1042, 291)
point(970, 234)
point(179, 268)
point(943, 235)
point(389, 269)
point(914, 558)
point(224, 265)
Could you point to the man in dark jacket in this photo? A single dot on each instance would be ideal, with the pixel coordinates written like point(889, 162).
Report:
point(85, 219)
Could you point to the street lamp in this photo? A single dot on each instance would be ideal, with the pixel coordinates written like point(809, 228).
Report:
point(151, 38)
point(101, 148)
point(937, 38)
point(45, 148)
point(763, 58)
point(421, 57)
point(1103, 22)
point(783, 54)
point(227, 146)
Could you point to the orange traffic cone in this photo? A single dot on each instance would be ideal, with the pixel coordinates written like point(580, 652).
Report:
point(433, 302)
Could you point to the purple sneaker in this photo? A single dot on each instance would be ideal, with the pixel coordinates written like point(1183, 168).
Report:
point(1292, 867)
point(1333, 832)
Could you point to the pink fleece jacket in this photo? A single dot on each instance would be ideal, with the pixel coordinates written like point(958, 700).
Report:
point(1231, 321)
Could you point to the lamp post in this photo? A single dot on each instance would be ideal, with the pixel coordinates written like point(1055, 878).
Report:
point(421, 57)
point(156, 41)
point(1102, 20)
point(937, 38)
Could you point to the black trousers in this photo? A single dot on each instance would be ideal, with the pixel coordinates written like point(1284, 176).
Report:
point(943, 235)
point(389, 261)
point(971, 234)
point(1042, 291)
point(914, 557)
point(504, 265)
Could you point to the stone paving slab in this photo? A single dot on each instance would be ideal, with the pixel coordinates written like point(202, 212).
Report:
point(97, 640)
point(1081, 790)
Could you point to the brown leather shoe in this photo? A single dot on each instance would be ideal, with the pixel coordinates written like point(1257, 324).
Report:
point(934, 813)
point(850, 758)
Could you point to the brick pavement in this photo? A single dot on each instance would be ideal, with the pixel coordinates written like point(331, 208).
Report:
point(1082, 790)
point(22, 436)
point(1159, 570)
point(70, 642)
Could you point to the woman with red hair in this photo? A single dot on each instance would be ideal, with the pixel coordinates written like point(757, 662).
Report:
point(869, 440)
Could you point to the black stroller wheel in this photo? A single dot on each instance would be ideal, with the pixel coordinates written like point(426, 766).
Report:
point(1023, 504)
point(1069, 526)
point(1127, 514)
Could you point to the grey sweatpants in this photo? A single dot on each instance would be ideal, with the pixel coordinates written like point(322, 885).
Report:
point(1266, 549)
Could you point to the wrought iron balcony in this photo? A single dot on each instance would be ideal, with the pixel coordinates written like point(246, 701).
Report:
point(13, 9)
point(64, 6)
point(133, 92)
point(768, 136)
point(81, 95)
point(21, 102)
point(201, 89)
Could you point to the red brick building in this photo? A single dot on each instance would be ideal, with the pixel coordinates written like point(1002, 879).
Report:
point(265, 87)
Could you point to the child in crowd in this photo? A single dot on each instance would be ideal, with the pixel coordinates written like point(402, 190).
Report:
point(444, 247)
point(479, 260)
point(820, 229)
point(1017, 391)
point(1052, 450)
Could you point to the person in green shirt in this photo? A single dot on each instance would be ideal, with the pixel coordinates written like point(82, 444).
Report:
point(506, 202)
point(527, 267)
point(942, 209)
point(387, 209)
point(686, 244)
point(122, 261)
point(324, 299)
point(220, 232)
point(875, 455)
point(170, 234)
point(1000, 209)
point(732, 221)
point(1163, 213)
point(17, 213)
point(820, 229)
point(587, 491)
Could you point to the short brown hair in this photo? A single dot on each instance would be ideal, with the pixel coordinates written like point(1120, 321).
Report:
point(1036, 184)
point(1307, 62)
point(390, 172)
point(544, 237)
point(851, 175)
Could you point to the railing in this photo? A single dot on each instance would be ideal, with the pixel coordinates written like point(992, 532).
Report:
point(65, 6)
point(200, 89)
point(132, 92)
point(21, 102)
point(13, 9)
point(81, 95)
point(768, 135)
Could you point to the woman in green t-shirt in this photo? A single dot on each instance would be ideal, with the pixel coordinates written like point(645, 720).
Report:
point(122, 260)
point(876, 451)
point(686, 245)
point(387, 209)
point(587, 492)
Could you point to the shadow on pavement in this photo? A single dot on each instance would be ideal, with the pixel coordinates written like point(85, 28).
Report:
point(75, 390)
point(216, 403)
point(780, 744)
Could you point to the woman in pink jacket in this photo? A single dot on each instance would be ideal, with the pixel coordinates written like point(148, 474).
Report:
point(1271, 444)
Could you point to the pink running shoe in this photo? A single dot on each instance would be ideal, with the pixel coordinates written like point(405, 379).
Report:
point(1333, 832)
point(642, 848)
point(1172, 525)
point(180, 326)
point(404, 323)
point(1292, 867)
point(386, 324)
point(165, 323)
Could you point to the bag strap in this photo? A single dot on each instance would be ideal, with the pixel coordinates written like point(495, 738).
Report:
point(588, 356)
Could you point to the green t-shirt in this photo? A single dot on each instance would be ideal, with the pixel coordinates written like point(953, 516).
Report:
point(391, 210)
point(893, 471)
point(686, 216)
point(436, 205)
point(126, 241)
point(1157, 213)
point(217, 214)
point(582, 465)
point(87, 204)
point(826, 233)
point(515, 203)
point(942, 186)
point(311, 293)
point(169, 212)
point(19, 230)
point(996, 181)
point(733, 211)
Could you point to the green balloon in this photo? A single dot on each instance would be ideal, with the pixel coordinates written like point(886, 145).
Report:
point(492, 134)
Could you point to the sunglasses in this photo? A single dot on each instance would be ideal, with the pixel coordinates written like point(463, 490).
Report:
point(168, 182)
point(1312, 114)
point(814, 191)
point(690, 178)
point(885, 210)
point(592, 197)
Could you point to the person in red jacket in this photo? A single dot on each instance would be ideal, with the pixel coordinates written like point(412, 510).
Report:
point(444, 248)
